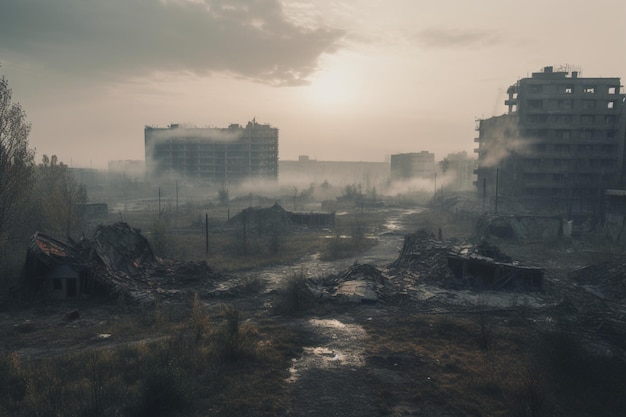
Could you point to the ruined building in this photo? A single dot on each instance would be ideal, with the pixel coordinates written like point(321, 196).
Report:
point(559, 147)
point(223, 155)
point(413, 165)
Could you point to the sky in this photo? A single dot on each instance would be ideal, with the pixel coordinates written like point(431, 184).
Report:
point(354, 80)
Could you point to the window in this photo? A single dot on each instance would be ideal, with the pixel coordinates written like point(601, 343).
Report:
point(610, 105)
point(562, 148)
point(535, 104)
point(607, 162)
point(613, 90)
point(586, 119)
point(589, 89)
point(609, 118)
point(536, 89)
point(587, 134)
point(563, 134)
point(565, 104)
point(589, 104)
point(566, 89)
point(585, 148)
point(533, 162)
point(606, 148)
point(57, 284)
point(538, 147)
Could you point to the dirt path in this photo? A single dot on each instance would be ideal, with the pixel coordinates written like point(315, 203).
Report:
point(332, 377)
point(383, 253)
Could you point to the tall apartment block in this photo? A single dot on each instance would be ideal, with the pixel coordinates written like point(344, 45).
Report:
point(223, 155)
point(413, 165)
point(560, 146)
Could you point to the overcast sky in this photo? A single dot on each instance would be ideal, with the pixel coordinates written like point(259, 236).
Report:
point(342, 80)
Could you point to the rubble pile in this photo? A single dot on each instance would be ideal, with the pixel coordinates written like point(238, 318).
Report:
point(596, 294)
point(119, 260)
point(364, 283)
point(360, 283)
point(425, 256)
point(457, 266)
point(606, 279)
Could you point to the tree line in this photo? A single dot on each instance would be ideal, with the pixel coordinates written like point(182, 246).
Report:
point(34, 196)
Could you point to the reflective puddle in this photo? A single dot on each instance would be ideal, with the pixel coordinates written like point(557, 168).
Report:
point(342, 347)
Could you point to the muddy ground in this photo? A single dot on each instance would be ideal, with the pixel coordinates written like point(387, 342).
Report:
point(338, 373)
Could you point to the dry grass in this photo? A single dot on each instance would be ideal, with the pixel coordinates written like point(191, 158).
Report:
point(190, 362)
point(523, 373)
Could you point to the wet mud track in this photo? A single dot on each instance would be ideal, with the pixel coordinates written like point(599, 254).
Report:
point(331, 376)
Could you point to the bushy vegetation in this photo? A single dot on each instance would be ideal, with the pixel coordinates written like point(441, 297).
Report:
point(293, 296)
point(217, 364)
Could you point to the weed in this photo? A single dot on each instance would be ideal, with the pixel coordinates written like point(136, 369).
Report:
point(293, 296)
point(234, 340)
point(485, 336)
point(199, 318)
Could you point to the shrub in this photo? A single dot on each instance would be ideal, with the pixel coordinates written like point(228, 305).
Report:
point(294, 296)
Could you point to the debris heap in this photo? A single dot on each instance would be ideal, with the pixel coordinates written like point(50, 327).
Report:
point(117, 259)
point(456, 266)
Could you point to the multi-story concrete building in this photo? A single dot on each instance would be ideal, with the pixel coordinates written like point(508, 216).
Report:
point(560, 146)
point(223, 155)
point(413, 165)
point(458, 170)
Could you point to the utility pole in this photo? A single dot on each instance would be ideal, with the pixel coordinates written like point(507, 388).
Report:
point(497, 180)
point(206, 232)
point(484, 192)
point(435, 192)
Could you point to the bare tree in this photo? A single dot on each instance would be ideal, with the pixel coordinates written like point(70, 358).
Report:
point(16, 171)
point(59, 196)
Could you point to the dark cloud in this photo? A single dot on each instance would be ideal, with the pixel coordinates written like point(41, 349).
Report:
point(455, 38)
point(109, 38)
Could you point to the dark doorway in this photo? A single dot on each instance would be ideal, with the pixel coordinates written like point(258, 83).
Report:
point(71, 287)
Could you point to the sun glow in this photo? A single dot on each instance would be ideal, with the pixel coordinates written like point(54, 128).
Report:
point(331, 89)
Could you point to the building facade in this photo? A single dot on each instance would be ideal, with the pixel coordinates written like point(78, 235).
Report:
point(413, 165)
point(560, 146)
point(458, 170)
point(224, 155)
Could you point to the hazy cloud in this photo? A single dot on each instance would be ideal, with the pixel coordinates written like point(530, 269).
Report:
point(455, 38)
point(253, 39)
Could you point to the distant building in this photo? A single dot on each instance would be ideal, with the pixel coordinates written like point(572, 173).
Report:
point(132, 169)
point(222, 155)
point(459, 169)
point(413, 165)
point(560, 146)
point(369, 174)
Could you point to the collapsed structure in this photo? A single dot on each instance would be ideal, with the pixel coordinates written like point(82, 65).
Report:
point(118, 261)
point(276, 217)
point(560, 146)
point(222, 155)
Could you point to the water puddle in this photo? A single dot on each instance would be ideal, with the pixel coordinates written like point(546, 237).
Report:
point(342, 347)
